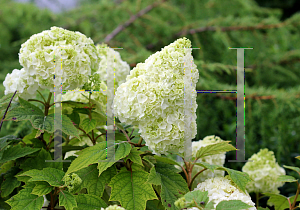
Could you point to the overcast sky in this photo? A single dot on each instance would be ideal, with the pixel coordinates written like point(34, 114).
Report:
point(54, 5)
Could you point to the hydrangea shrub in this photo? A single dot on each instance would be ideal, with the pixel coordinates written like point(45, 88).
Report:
point(152, 101)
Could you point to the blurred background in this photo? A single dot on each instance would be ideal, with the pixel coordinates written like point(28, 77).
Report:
point(272, 68)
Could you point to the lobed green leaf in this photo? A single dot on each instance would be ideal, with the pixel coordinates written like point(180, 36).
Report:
point(166, 160)
point(91, 180)
point(122, 151)
point(15, 152)
point(134, 156)
point(51, 175)
point(41, 188)
point(95, 153)
point(39, 162)
point(89, 202)
point(173, 186)
point(286, 178)
point(88, 125)
point(131, 189)
point(280, 202)
point(214, 149)
point(24, 200)
point(8, 186)
point(67, 200)
point(293, 168)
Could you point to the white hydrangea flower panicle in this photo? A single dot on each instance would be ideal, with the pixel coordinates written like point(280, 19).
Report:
point(223, 189)
point(18, 80)
point(73, 51)
point(153, 98)
point(218, 159)
point(264, 171)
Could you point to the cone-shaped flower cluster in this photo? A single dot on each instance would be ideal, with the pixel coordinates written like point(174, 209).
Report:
point(153, 97)
point(264, 171)
point(76, 54)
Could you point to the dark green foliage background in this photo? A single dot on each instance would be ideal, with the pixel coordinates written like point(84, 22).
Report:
point(272, 67)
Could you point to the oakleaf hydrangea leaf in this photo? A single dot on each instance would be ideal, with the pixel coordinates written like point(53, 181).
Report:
point(166, 160)
point(280, 202)
point(88, 125)
point(9, 185)
point(154, 178)
point(15, 152)
point(51, 175)
point(214, 149)
point(68, 127)
point(24, 200)
point(6, 166)
point(67, 200)
point(239, 178)
point(172, 184)
point(296, 169)
point(35, 115)
point(131, 189)
point(232, 205)
point(41, 188)
point(89, 202)
point(91, 180)
point(286, 178)
point(5, 100)
point(154, 205)
point(95, 153)
point(6, 140)
point(20, 113)
point(122, 151)
point(134, 156)
point(39, 162)
point(29, 105)
point(208, 166)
